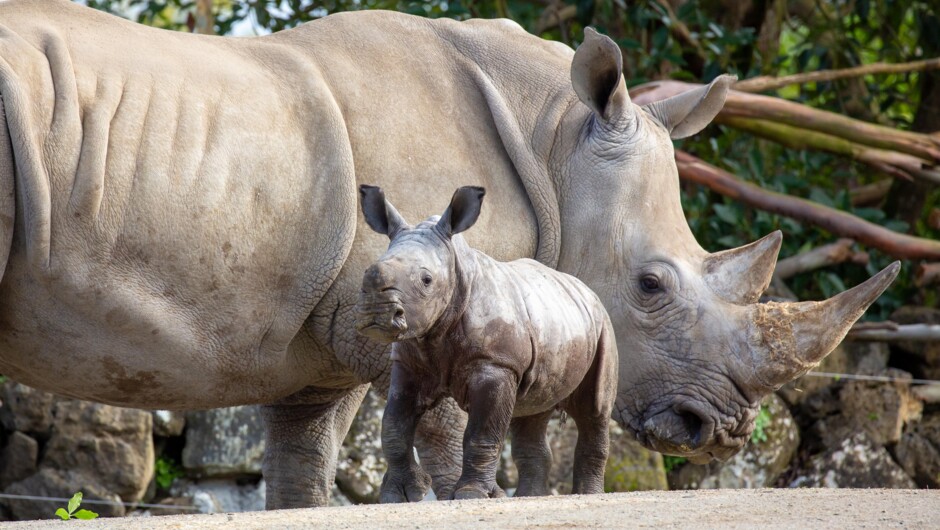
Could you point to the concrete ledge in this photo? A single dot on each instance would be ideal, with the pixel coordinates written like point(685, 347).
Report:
point(766, 508)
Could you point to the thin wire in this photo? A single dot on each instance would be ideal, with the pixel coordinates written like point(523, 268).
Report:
point(880, 378)
point(95, 501)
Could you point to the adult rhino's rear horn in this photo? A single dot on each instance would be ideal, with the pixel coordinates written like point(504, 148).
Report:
point(740, 275)
point(791, 338)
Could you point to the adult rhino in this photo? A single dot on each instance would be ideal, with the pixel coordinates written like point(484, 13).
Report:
point(179, 223)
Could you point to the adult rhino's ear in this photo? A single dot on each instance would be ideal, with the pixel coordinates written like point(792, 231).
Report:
point(380, 215)
point(464, 210)
point(597, 77)
point(689, 112)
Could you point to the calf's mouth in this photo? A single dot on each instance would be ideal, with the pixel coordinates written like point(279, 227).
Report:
point(380, 320)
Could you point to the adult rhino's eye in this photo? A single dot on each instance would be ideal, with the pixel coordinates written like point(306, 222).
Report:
point(649, 284)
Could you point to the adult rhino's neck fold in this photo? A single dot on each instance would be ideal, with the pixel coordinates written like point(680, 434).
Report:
point(527, 111)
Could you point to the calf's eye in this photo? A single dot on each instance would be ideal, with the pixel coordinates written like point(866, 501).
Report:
point(426, 279)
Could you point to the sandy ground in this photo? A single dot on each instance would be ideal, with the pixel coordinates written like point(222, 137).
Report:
point(781, 508)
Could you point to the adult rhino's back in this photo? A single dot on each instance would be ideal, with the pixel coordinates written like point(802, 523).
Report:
point(179, 210)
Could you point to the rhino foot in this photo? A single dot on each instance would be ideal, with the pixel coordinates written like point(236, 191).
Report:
point(408, 486)
point(478, 491)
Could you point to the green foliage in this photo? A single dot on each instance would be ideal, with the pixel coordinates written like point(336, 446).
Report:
point(761, 422)
point(166, 471)
point(671, 462)
point(71, 512)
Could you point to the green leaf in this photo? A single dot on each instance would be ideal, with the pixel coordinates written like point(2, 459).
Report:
point(86, 515)
point(64, 515)
point(76, 500)
point(726, 213)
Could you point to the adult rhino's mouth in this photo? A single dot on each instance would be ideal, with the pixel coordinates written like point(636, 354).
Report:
point(380, 318)
point(688, 430)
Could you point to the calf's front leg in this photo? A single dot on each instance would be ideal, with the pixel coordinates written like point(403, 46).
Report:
point(492, 397)
point(404, 481)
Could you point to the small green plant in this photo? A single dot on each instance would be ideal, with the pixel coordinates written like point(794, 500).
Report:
point(166, 471)
point(673, 462)
point(761, 422)
point(75, 501)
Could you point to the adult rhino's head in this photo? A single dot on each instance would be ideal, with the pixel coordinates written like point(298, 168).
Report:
point(697, 350)
point(407, 290)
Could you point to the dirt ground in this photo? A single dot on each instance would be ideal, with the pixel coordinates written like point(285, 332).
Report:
point(768, 508)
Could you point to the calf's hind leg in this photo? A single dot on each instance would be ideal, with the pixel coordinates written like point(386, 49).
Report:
point(590, 406)
point(303, 434)
point(531, 454)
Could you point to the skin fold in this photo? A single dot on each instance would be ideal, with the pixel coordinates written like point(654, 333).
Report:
point(510, 342)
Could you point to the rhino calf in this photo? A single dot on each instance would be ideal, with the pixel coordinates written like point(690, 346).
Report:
point(510, 342)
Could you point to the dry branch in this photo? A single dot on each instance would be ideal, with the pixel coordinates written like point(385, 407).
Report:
point(754, 106)
point(554, 16)
point(765, 83)
point(896, 164)
point(933, 219)
point(205, 20)
point(870, 193)
point(908, 332)
point(819, 257)
point(835, 221)
point(927, 274)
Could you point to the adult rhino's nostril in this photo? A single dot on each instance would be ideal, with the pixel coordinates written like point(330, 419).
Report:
point(693, 426)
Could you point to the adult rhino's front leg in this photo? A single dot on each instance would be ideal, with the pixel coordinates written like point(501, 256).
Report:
point(303, 435)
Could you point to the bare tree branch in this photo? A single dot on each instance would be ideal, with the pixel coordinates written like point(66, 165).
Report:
point(927, 274)
point(870, 193)
point(835, 221)
point(819, 257)
point(555, 15)
point(765, 83)
point(754, 106)
point(908, 332)
point(205, 20)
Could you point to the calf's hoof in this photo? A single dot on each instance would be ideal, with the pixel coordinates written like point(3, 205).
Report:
point(404, 487)
point(478, 491)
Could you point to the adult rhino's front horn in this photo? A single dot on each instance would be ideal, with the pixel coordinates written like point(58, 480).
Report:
point(791, 338)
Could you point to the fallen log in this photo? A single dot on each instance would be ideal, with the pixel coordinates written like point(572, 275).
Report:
point(840, 223)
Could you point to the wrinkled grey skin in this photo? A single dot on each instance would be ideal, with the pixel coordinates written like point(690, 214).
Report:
point(510, 342)
point(179, 228)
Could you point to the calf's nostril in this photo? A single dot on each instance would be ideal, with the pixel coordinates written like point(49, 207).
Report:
point(399, 313)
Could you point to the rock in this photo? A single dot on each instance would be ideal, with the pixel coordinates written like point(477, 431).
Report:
point(361, 464)
point(26, 409)
point(881, 409)
point(224, 442)
point(61, 484)
point(848, 358)
point(18, 459)
point(858, 462)
point(220, 495)
point(918, 452)
point(114, 445)
point(173, 506)
point(629, 466)
point(768, 454)
point(168, 423)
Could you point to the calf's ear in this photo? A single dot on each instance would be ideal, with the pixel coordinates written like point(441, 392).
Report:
point(463, 211)
point(380, 215)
